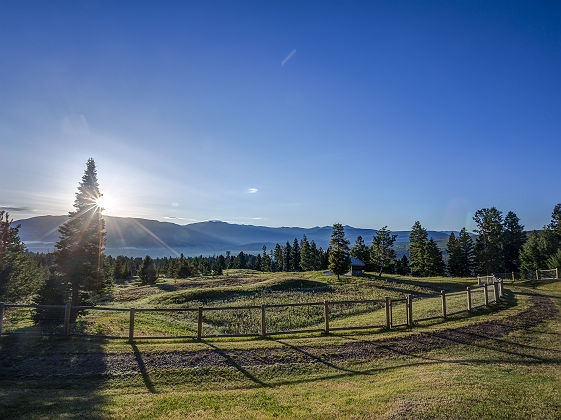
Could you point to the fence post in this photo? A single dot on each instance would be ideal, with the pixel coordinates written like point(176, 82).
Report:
point(67, 311)
point(388, 304)
point(537, 275)
point(557, 273)
point(326, 315)
point(513, 279)
point(501, 288)
point(443, 295)
point(131, 324)
point(485, 296)
point(409, 310)
point(468, 294)
point(200, 324)
point(496, 291)
point(263, 325)
point(1, 316)
point(478, 281)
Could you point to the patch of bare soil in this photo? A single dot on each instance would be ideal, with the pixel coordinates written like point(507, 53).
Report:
point(542, 308)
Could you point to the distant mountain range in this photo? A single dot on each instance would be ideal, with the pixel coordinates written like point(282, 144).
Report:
point(140, 237)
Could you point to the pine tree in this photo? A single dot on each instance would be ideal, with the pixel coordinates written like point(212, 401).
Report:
point(316, 255)
point(454, 257)
point(240, 261)
point(339, 255)
point(295, 256)
point(265, 260)
point(287, 254)
point(147, 271)
point(467, 254)
point(361, 252)
point(382, 251)
point(536, 251)
point(403, 266)
point(217, 267)
point(555, 225)
point(417, 243)
point(79, 251)
point(433, 259)
point(513, 237)
point(307, 260)
point(489, 245)
point(20, 278)
point(183, 268)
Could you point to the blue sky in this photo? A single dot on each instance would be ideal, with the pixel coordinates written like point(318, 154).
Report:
point(284, 113)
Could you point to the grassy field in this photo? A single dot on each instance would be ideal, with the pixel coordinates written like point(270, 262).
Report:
point(497, 362)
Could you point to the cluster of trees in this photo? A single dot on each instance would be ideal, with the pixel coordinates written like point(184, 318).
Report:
point(542, 250)
point(499, 241)
point(20, 275)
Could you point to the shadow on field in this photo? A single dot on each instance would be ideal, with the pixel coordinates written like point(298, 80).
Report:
point(142, 369)
point(231, 362)
point(48, 389)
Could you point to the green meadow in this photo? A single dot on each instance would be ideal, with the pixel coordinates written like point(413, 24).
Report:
point(499, 361)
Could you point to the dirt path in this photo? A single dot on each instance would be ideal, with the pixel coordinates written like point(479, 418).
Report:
point(93, 364)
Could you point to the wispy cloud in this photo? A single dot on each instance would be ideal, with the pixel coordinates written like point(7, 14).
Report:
point(288, 57)
point(173, 218)
point(174, 204)
point(8, 208)
point(252, 190)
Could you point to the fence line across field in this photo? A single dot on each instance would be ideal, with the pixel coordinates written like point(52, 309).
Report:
point(396, 313)
point(549, 274)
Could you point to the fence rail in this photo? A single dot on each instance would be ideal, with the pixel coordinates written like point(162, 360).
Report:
point(262, 320)
point(513, 276)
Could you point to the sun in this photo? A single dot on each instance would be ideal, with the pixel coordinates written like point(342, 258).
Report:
point(101, 202)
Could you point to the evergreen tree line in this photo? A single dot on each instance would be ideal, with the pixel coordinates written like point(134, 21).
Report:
point(542, 250)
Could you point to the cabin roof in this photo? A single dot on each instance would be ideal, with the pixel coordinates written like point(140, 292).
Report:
point(357, 262)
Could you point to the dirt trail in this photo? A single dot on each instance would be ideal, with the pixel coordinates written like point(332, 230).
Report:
point(93, 364)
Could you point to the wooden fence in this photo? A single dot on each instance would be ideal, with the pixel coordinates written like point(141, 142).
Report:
point(485, 294)
point(551, 274)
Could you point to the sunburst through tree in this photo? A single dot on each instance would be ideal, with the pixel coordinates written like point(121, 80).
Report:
point(79, 254)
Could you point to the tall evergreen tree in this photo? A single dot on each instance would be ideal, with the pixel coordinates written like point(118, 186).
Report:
point(434, 263)
point(147, 271)
point(489, 245)
point(307, 260)
point(316, 255)
point(536, 251)
point(382, 251)
point(403, 266)
point(217, 267)
point(454, 257)
point(20, 278)
point(279, 257)
point(361, 252)
point(240, 261)
point(287, 254)
point(265, 260)
point(467, 254)
point(79, 251)
point(555, 225)
point(418, 239)
point(339, 255)
point(295, 256)
point(513, 238)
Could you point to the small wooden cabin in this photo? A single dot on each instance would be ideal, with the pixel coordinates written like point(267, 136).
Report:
point(357, 267)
